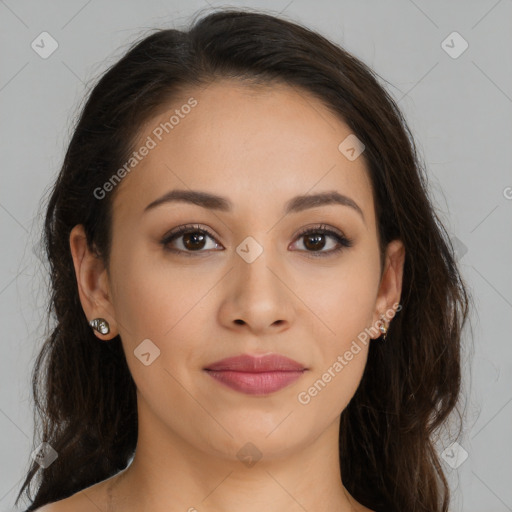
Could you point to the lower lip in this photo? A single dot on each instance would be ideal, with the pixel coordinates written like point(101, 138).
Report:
point(255, 383)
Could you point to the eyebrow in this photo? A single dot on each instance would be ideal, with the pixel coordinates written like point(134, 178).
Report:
point(294, 205)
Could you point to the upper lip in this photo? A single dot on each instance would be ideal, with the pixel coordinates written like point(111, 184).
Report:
point(257, 364)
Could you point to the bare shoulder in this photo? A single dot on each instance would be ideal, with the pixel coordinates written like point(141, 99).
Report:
point(58, 506)
point(91, 499)
point(52, 507)
point(72, 504)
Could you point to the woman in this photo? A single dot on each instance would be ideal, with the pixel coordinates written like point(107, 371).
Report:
point(256, 303)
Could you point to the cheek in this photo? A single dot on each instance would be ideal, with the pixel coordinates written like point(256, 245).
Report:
point(344, 304)
point(329, 390)
point(161, 303)
point(342, 346)
point(342, 298)
point(153, 296)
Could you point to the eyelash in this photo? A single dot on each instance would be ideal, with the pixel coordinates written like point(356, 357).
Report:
point(322, 229)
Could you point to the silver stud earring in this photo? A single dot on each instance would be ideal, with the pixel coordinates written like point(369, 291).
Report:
point(383, 329)
point(100, 325)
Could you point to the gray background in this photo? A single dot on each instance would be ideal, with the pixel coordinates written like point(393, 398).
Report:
point(458, 108)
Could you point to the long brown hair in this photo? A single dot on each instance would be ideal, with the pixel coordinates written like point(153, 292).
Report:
point(83, 390)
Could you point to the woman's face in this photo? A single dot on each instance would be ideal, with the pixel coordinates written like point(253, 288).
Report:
point(249, 283)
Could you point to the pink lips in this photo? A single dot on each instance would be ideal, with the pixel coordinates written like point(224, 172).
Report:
point(256, 375)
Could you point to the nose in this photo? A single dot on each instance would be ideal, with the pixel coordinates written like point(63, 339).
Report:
point(258, 298)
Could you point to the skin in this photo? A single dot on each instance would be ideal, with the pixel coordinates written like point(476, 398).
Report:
point(258, 147)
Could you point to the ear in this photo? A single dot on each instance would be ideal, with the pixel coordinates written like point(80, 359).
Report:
point(92, 280)
point(390, 287)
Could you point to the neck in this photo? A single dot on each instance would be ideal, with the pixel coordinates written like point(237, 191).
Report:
point(169, 474)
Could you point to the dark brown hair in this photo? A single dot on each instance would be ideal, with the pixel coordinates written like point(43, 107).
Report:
point(83, 390)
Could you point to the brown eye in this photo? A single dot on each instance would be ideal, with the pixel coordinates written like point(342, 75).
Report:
point(194, 239)
point(315, 241)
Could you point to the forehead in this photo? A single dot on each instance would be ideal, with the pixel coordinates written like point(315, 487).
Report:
point(258, 145)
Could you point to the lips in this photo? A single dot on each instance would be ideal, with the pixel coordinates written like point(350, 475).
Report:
point(256, 375)
point(256, 364)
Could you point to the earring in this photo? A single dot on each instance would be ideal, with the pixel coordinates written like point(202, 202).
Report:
point(383, 329)
point(100, 325)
